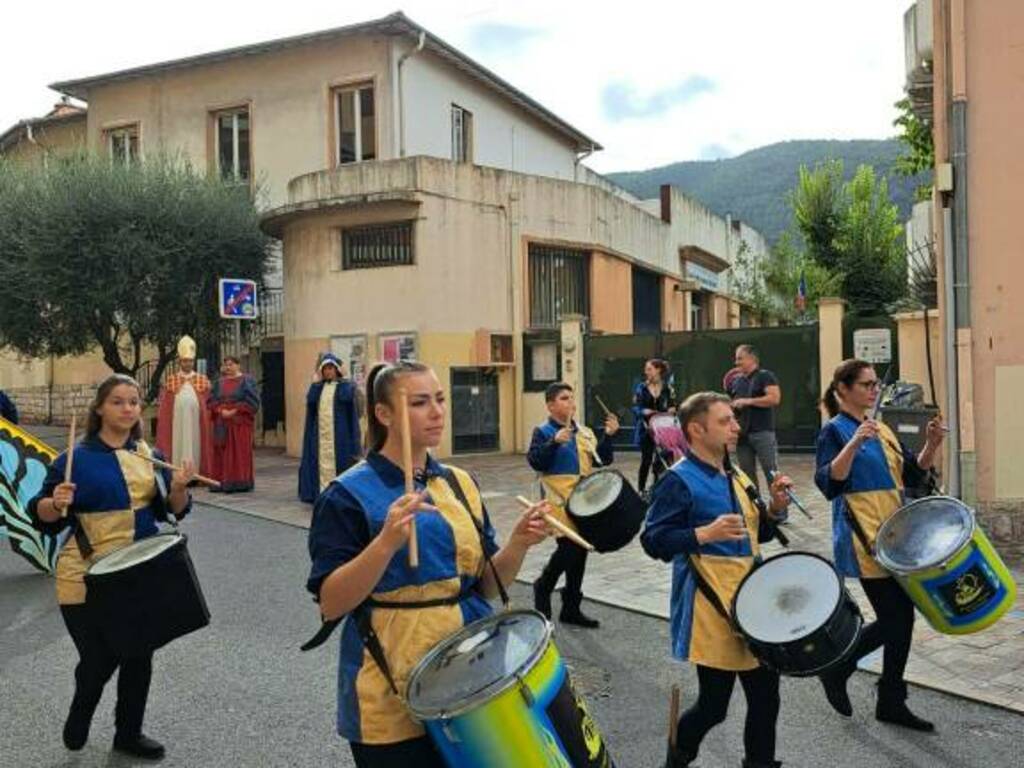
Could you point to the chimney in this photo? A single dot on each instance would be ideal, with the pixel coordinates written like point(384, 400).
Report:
point(666, 203)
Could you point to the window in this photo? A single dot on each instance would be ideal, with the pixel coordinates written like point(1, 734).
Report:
point(542, 360)
point(123, 144)
point(355, 126)
point(232, 132)
point(558, 284)
point(462, 130)
point(389, 245)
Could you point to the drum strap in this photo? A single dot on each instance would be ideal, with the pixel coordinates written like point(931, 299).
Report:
point(456, 487)
point(709, 594)
point(857, 528)
point(81, 539)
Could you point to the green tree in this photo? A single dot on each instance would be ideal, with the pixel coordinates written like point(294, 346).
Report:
point(853, 232)
point(123, 259)
point(918, 155)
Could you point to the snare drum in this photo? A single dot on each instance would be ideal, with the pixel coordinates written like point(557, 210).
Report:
point(796, 615)
point(606, 510)
point(946, 564)
point(497, 695)
point(146, 594)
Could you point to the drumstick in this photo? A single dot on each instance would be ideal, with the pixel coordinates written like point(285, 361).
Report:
point(410, 486)
point(607, 411)
point(673, 717)
point(165, 465)
point(70, 457)
point(554, 522)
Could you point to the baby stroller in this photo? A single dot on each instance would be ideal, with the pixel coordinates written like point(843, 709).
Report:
point(669, 441)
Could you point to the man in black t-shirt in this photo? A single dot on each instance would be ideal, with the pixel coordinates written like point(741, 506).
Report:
point(755, 394)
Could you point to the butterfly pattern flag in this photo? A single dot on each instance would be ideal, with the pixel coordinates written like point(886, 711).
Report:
point(23, 463)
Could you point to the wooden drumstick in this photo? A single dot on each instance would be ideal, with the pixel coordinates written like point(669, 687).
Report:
point(410, 486)
point(165, 465)
point(673, 717)
point(554, 522)
point(70, 456)
point(607, 411)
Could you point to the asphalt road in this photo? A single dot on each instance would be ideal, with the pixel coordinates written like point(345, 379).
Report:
point(239, 693)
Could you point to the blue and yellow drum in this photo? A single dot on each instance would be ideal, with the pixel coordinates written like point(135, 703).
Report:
point(946, 564)
point(497, 695)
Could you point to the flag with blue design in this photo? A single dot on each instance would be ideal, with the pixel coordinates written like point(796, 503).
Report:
point(801, 293)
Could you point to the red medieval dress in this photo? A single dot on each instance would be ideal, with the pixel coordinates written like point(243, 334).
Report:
point(233, 434)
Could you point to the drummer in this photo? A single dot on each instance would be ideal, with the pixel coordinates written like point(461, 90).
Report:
point(358, 544)
point(862, 468)
point(113, 499)
point(702, 520)
point(564, 452)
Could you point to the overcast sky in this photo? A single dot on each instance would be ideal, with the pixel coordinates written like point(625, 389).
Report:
point(654, 82)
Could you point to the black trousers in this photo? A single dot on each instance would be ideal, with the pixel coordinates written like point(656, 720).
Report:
point(570, 559)
point(647, 449)
point(414, 753)
point(96, 664)
point(893, 628)
point(761, 688)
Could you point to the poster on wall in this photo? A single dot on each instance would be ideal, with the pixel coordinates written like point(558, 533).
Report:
point(873, 345)
point(397, 346)
point(351, 350)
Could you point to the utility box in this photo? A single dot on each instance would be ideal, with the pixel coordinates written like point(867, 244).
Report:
point(909, 424)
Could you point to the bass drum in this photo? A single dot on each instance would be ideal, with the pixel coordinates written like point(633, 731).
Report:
point(606, 510)
point(796, 615)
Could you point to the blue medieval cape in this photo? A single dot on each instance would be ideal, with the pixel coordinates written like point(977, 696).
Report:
point(346, 437)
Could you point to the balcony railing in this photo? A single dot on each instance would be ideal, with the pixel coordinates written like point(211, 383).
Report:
point(271, 317)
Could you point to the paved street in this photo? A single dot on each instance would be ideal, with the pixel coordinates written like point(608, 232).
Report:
point(240, 694)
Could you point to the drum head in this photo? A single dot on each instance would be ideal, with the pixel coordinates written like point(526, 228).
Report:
point(788, 597)
point(595, 493)
point(135, 553)
point(924, 533)
point(477, 663)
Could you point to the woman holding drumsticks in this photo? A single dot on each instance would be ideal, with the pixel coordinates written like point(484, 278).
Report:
point(359, 545)
point(107, 491)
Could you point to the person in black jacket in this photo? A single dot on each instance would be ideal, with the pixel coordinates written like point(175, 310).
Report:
point(653, 396)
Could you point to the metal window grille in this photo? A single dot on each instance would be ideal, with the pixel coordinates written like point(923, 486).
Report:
point(558, 284)
point(378, 246)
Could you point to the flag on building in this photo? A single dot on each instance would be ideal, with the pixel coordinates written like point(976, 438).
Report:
point(801, 294)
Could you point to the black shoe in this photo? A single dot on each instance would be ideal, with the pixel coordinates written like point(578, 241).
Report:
point(579, 619)
point(139, 746)
point(676, 758)
point(752, 764)
point(542, 600)
point(76, 732)
point(834, 682)
point(897, 713)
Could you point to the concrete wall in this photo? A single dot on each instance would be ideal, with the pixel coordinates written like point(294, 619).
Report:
point(611, 295)
point(49, 138)
point(503, 135)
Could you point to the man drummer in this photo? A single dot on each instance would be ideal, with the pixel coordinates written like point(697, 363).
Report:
point(563, 452)
point(704, 522)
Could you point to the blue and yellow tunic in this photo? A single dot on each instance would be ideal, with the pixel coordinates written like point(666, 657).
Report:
point(692, 494)
point(119, 498)
point(347, 516)
point(872, 492)
point(561, 465)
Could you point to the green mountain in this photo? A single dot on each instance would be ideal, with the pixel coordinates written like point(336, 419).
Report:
point(755, 186)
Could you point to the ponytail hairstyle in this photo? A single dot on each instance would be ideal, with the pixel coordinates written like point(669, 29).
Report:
point(94, 423)
point(380, 387)
point(846, 373)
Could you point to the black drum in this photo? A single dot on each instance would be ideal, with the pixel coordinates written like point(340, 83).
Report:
point(146, 594)
point(796, 615)
point(606, 510)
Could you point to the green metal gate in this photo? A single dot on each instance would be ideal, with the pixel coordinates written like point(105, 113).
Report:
point(613, 365)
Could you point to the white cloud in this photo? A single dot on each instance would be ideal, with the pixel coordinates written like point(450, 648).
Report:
point(782, 70)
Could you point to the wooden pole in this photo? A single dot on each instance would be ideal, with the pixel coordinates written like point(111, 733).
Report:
point(69, 456)
point(410, 486)
point(554, 522)
point(673, 717)
point(165, 465)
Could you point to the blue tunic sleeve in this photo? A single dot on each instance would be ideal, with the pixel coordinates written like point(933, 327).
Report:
point(668, 530)
point(542, 451)
point(163, 507)
point(54, 477)
point(337, 534)
point(830, 443)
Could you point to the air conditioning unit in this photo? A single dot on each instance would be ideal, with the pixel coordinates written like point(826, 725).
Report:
point(493, 349)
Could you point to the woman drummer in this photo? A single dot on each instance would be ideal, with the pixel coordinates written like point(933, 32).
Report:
point(113, 498)
point(863, 468)
point(652, 397)
point(358, 542)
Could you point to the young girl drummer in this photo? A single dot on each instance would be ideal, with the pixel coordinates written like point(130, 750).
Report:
point(358, 542)
point(114, 497)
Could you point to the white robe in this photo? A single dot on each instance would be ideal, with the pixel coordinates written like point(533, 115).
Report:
point(186, 440)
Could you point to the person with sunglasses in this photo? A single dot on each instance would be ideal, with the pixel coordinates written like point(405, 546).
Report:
point(863, 468)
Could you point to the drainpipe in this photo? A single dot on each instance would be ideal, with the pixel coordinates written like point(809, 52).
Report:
point(401, 91)
point(580, 157)
point(952, 383)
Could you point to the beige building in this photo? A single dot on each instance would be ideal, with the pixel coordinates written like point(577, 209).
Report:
point(425, 207)
point(964, 64)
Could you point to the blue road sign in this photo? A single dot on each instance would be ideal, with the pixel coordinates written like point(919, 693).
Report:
point(237, 299)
